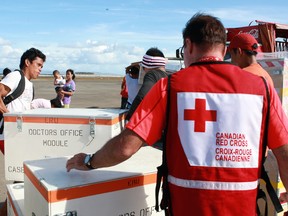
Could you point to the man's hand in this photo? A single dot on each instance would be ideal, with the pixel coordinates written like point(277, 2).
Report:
point(77, 162)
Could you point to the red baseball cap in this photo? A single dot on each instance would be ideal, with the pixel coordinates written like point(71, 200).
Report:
point(244, 41)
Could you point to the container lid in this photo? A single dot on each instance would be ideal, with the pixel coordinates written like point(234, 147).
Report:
point(71, 112)
point(51, 173)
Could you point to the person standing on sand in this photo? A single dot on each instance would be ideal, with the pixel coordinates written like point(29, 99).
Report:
point(123, 93)
point(153, 64)
point(31, 64)
point(69, 88)
point(132, 74)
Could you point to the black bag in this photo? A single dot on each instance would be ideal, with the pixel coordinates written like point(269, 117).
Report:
point(162, 171)
point(18, 91)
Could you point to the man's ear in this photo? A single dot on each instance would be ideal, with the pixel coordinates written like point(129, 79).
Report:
point(189, 46)
point(27, 62)
point(240, 51)
point(224, 51)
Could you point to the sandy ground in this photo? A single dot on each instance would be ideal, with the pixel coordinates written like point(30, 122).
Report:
point(91, 92)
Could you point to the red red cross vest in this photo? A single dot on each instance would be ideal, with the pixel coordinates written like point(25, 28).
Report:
point(217, 112)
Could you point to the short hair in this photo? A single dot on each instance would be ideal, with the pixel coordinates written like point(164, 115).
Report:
point(205, 30)
point(31, 54)
point(154, 51)
point(56, 72)
point(56, 103)
point(72, 72)
point(247, 52)
point(134, 70)
point(6, 71)
point(251, 53)
point(58, 89)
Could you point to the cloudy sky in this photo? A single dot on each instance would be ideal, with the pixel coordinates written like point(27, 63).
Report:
point(105, 36)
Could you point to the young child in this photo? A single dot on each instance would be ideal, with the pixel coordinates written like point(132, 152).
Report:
point(59, 82)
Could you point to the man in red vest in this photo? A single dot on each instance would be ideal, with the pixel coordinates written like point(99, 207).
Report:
point(216, 129)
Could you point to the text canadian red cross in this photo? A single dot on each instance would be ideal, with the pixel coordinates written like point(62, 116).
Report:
point(200, 115)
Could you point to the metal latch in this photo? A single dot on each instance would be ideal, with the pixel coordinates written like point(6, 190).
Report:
point(19, 121)
point(92, 123)
point(92, 126)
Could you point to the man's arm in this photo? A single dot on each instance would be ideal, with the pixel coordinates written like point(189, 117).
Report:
point(4, 90)
point(69, 93)
point(281, 155)
point(115, 151)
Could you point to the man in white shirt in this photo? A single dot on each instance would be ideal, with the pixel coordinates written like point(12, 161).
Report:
point(31, 64)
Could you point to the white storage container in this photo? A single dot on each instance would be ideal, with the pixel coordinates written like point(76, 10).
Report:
point(127, 189)
point(56, 132)
point(15, 199)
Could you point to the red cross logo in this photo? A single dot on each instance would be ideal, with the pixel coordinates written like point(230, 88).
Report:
point(200, 115)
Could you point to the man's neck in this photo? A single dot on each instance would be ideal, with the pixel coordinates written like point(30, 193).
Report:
point(249, 60)
point(213, 54)
point(26, 74)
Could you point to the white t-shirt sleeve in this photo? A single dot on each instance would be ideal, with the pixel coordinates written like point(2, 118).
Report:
point(23, 102)
point(12, 80)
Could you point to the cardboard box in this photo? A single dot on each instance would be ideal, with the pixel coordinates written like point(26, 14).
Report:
point(276, 64)
point(127, 189)
point(15, 199)
point(44, 133)
point(272, 171)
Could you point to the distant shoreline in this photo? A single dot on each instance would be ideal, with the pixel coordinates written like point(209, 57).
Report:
point(88, 75)
point(84, 76)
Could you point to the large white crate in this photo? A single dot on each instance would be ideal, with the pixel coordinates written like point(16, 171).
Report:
point(15, 199)
point(127, 189)
point(276, 64)
point(44, 133)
